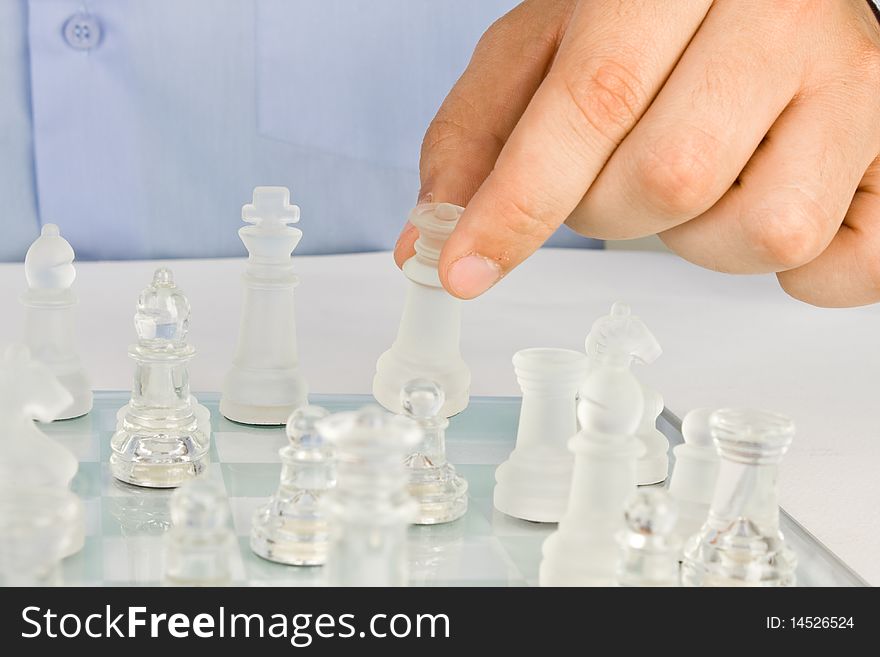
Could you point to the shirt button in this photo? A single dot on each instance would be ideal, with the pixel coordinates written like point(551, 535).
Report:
point(82, 31)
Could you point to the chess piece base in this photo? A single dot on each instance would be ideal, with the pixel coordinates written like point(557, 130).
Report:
point(441, 495)
point(652, 466)
point(202, 562)
point(259, 397)
point(269, 416)
point(294, 542)
point(158, 460)
point(578, 560)
point(652, 470)
point(390, 379)
point(77, 385)
point(533, 484)
point(737, 555)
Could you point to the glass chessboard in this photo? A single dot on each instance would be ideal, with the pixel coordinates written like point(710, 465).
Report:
point(125, 524)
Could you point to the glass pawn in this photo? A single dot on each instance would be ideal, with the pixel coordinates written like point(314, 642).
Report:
point(199, 546)
point(740, 544)
point(439, 491)
point(369, 508)
point(159, 442)
point(649, 547)
point(292, 527)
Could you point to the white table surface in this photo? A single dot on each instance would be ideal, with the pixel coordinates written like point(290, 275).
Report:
point(732, 341)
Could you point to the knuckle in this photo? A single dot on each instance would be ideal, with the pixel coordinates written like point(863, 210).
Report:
point(526, 217)
point(869, 58)
point(447, 137)
point(609, 97)
point(786, 237)
point(442, 136)
point(491, 37)
point(679, 175)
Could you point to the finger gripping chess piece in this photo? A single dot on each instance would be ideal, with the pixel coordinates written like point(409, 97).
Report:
point(533, 483)
point(35, 470)
point(649, 547)
point(292, 527)
point(692, 483)
point(370, 508)
point(584, 551)
point(653, 465)
point(200, 545)
point(159, 442)
point(740, 543)
point(264, 385)
point(427, 342)
point(439, 491)
point(50, 326)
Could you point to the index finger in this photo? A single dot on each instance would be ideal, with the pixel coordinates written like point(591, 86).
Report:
point(611, 63)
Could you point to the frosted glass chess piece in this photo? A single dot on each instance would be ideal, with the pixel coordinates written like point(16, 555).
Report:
point(265, 385)
point(740, 543)
point(35, 535)
point(653, 465)
point(35, 470)
point(649, 546)
point(427, 343)
point(439, 491)
point(369, 508)
point(584, 551)
point(200, 545)
point(692, 483)
point(292, 527)
point(533, 483)
point(159, 442)
point(50, 326)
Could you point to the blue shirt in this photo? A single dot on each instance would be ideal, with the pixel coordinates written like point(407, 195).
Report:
point(141, 126)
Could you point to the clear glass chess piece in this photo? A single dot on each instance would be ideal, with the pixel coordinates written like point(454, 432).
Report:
point(435, 553)
point(740, 544)
point(141, 515)
point(439, 491)
point(649, 546)
point(200, 545)
point(369, 509)
point(292, 527)
point(159, 442)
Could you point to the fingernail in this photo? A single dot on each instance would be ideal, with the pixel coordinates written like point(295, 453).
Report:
point(472, 275)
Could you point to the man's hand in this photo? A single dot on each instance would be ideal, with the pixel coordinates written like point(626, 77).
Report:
point(746, 133)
